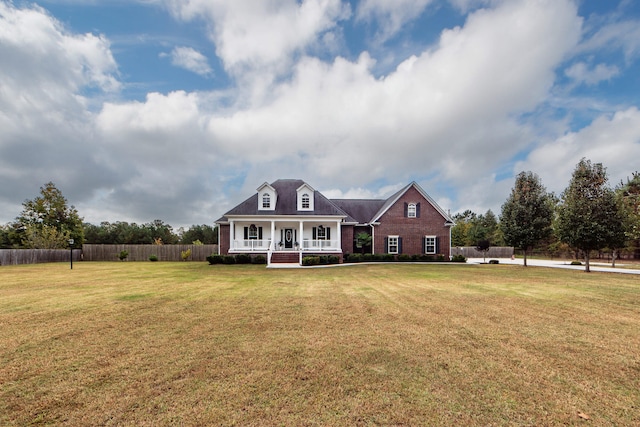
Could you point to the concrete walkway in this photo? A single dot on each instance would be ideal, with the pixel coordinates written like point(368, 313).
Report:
point(594, 266)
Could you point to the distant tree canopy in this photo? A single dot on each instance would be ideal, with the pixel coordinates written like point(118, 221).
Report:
point(471, 228)
point(146, 234)
point(205, 234)
point(47, 222)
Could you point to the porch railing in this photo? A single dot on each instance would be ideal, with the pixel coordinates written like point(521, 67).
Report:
point(320, 245)
point(251, 245)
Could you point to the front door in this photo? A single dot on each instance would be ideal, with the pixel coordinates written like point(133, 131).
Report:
point(288, 238)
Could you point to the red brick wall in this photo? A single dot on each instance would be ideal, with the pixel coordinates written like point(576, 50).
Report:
point(412, 230)
point(347, 238)
point(224, 240)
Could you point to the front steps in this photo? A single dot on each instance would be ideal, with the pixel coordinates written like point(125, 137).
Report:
point(285, 258)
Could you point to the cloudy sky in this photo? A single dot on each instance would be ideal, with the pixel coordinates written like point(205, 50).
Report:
point(179, 109)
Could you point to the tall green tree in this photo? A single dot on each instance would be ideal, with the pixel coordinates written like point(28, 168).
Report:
point(589, 216)
point(629, 195)
point(48, 220)
point(527, 215)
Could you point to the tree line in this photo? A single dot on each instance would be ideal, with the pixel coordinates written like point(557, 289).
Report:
point(588, 216)
point(48, 222)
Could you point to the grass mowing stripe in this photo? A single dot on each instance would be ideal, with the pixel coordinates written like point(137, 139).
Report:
point(188, 343)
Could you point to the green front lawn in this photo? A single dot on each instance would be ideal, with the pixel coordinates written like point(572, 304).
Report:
point(193, 344)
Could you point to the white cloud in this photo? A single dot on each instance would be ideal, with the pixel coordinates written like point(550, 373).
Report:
point(623, 35)
point(255, 34)
point(35, 47)
point(581, 73)
point(45, 112)
point(390, 16)
point(613, 140)
point(465, 6)
point(449, 117)
point(191, 60)
point(364, 193)
point(448, 111)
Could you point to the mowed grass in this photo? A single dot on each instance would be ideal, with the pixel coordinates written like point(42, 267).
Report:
point(193, 344)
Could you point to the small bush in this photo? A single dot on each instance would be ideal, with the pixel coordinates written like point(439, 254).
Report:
point(458, 258)
point(404, 257)
point(388, 257)
point(355, 258)
point(243, 259)
point(367, 257)
point(153, 258)
point(185, 254)
point(259, 259)
point(228, 259)
point(494, 261)
point(576, 263)
point(334, 259)
point(214, 259)
point(310, 260)
point(123, 255)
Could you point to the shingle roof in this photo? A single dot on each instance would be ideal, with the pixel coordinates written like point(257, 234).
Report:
point(360, 211)
point(287, 202)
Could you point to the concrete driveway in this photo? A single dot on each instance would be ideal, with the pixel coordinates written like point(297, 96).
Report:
point(595, 266)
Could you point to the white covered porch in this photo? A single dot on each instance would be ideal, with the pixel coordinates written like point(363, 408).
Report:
point(291, 235)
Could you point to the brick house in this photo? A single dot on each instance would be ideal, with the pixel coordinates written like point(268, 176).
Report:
point(288, 219)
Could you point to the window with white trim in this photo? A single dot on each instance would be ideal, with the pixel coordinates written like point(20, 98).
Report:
point(266, 201)
point(306, 204)
point(321, 233)
point(430, 244)
point(392, 244)
point(411, 210)
point(253, 232)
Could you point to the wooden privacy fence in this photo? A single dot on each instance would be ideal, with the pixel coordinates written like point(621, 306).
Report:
point(143, 252)
point(37, 256)
point(494, 252)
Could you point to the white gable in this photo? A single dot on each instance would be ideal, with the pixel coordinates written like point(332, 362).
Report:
point(267, 198)
point(305, 198)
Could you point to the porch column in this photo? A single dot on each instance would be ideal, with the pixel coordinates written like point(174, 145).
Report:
point(232, 234)
point(373, 239)
point(300, 240)
point(272, 245)
point(339, 234)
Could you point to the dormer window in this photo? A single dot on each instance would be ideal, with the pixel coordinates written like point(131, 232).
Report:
point(305, 195)
point(267, 198)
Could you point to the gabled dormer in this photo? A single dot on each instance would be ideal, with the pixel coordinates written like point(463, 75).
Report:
point(305, 197)
point(267, 198)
